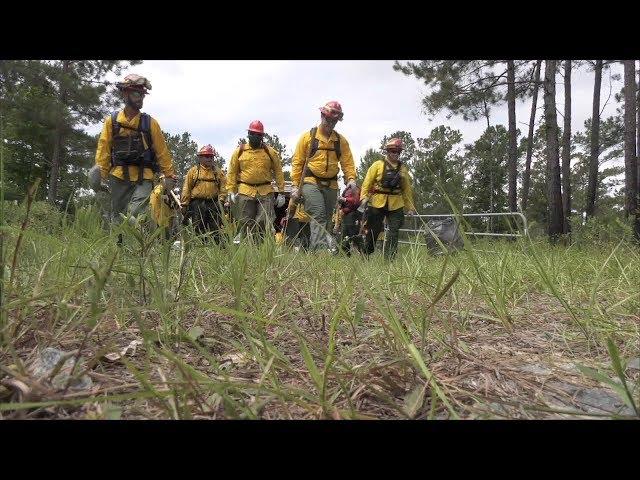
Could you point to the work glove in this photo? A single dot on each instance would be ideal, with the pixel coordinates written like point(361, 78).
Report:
point(169, 182)
point(363, 205)
point(280, 200)
point(295, 193)
point(95, 180)
point(351, 184)
point(232, 197)
point(411, 213)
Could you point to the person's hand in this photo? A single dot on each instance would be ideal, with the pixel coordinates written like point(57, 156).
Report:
point(352, 184)
point(97, 183)
point(169, 182)
point(411, 213)
point(363, 205)
point(232, 197)
point(295, 193)
point(280, 200)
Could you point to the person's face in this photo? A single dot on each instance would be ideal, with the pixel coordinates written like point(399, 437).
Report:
point(329, 122)
point(255, 139)
point(134, 98)
point(206, 161)
point(394, 154)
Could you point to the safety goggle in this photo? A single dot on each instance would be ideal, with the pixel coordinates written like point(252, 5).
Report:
point(135, 92)
point(330, 119)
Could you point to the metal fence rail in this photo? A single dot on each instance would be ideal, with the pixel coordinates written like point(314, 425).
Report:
point(423, 229)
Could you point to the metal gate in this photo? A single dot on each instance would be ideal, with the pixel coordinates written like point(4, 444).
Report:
point(419, 225)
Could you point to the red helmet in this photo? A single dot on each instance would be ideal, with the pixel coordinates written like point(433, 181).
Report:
point(332, 110)
point(394, 144)
point(256, 127)
point(207, 151)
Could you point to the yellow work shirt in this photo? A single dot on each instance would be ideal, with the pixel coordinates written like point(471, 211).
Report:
point(373, 182)
point(324, 163)
point(253, 172)
point(203, 182)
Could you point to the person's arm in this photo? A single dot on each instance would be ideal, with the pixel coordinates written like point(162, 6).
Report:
point(407, 193)
point(163, 155)
point(232, 174)
point(222, 194)
point(346, 160)
point(298, 160)
point(277, 167)
point(103, 152)
point(369, 180)
point(186, 187)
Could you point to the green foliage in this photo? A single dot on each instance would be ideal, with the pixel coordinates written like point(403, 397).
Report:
point(466, 88)
point(43, 217)
point(610, 200)
point(183, 150)
point(274, 141)
point(609, 197)
point(487, 159)
point(601, 230)
point(438, 171)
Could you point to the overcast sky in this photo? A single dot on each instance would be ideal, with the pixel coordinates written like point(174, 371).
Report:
point(215, 100)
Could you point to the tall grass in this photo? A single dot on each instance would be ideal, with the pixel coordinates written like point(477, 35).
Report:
point(262, 331)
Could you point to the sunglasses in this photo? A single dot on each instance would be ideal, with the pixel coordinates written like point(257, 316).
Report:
point(135, 93)
point(331, 119)
point(394, 151)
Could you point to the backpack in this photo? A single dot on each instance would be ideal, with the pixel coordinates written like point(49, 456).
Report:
point(391, 179)
point(129, 150)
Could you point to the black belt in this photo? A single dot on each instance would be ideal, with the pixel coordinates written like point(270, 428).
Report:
point(255, 184)
point(387, 193)
point(205, 199)
point(325, 181)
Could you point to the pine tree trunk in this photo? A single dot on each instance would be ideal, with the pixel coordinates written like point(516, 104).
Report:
point(554, 194)
point(532, 122)
point(592, 186)
point(566, 149)
point(638, 136)
point(630, 147)
point(637, 220)
point(57, 139)
point(513, 148)
point(630, 167)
